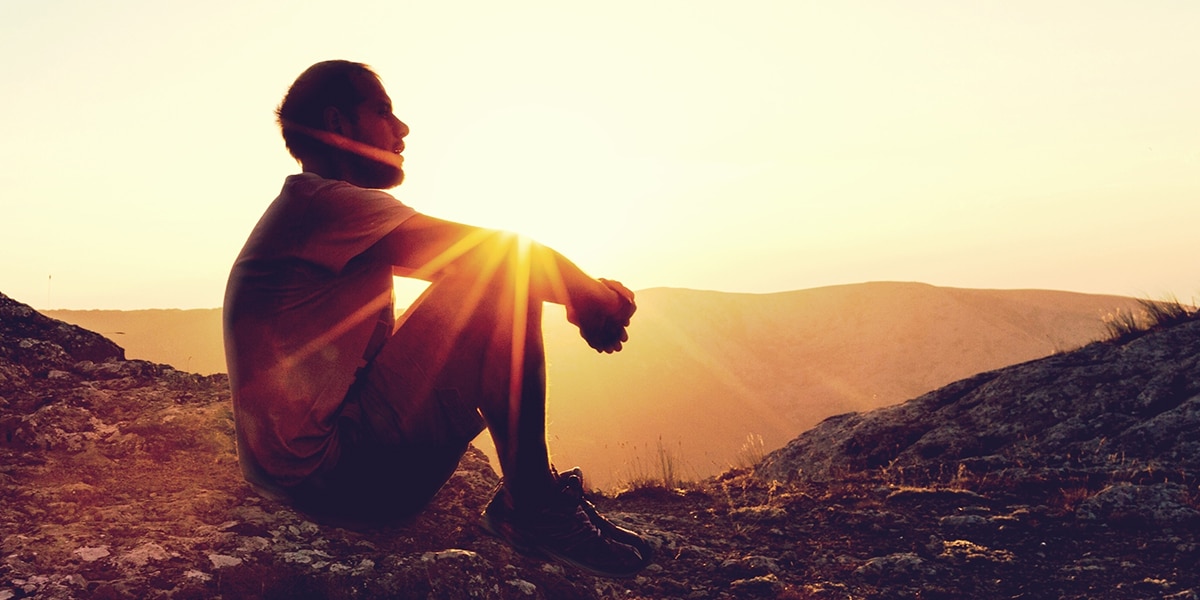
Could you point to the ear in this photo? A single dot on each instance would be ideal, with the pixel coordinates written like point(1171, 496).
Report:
point(332, 119)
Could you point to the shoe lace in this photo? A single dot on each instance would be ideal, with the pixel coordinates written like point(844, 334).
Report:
point(571, 483)
point(583, 530)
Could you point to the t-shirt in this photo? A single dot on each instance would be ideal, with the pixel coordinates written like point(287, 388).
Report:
point(303, 302)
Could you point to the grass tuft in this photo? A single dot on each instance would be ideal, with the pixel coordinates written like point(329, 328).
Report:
point(661, 472)
point(1124, 326)
point(752, 452)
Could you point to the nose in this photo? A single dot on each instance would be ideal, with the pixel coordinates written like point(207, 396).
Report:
point(400, 127)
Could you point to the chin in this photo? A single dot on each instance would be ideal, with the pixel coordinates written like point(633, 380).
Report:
point(380, 176)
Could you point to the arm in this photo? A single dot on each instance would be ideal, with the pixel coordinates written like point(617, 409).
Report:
point(428, 248)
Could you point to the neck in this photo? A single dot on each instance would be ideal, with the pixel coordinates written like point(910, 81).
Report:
point(324, 167)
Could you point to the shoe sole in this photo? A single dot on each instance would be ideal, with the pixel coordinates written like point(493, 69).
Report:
point(541, 552)
point(621, 535)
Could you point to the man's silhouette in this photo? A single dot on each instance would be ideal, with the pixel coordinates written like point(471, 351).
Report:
point(345, 411)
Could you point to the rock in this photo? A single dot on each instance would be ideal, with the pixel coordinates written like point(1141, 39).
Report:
point(1157, 505)
point(751, 565)
point(220, 561)
point(959, 552)
point(145, 554)
point(905, 566)
point(89, 554)
point(763, 586)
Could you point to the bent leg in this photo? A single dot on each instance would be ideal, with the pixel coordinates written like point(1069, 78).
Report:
point(470, 346)
point(477, 335)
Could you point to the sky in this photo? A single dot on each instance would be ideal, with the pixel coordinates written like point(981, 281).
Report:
point(753, 146)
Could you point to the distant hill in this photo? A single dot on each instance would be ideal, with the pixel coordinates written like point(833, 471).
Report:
point(189, 340)
point(706, 375)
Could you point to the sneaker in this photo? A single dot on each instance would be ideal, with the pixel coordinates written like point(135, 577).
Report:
point(572, 484)
point(563, 531)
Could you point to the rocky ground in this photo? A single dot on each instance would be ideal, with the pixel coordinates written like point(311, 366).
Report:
point(1070, 477)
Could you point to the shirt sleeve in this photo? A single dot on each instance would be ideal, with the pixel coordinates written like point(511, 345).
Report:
point(345, 220)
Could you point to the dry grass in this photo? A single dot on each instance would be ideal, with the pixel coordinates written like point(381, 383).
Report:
point(663, 470)
point(1124, 326)
point(1069, 498)
point(751, 453)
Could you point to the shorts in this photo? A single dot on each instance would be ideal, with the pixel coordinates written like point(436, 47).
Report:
point(401, 435)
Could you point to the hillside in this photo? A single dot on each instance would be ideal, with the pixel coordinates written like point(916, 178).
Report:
point(1070, 477)
point(705, 371)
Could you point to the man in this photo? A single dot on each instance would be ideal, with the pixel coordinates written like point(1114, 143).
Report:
point(345, 411)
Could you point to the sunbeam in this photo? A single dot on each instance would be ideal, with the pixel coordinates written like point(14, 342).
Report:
point(520, 321)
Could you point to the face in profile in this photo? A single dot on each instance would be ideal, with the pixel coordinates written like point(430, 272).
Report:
point(375, 125)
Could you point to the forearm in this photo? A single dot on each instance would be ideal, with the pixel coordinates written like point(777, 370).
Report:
point(428, 248)
point(554, 278)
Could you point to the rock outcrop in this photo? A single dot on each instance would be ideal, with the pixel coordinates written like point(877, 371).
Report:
point(1105, 411)
point(30, 338)
point(1070, 477)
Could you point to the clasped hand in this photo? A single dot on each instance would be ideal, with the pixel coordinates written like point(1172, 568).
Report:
point(602, 321)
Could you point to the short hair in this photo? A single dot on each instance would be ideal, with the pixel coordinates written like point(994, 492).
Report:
point(325, 84)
